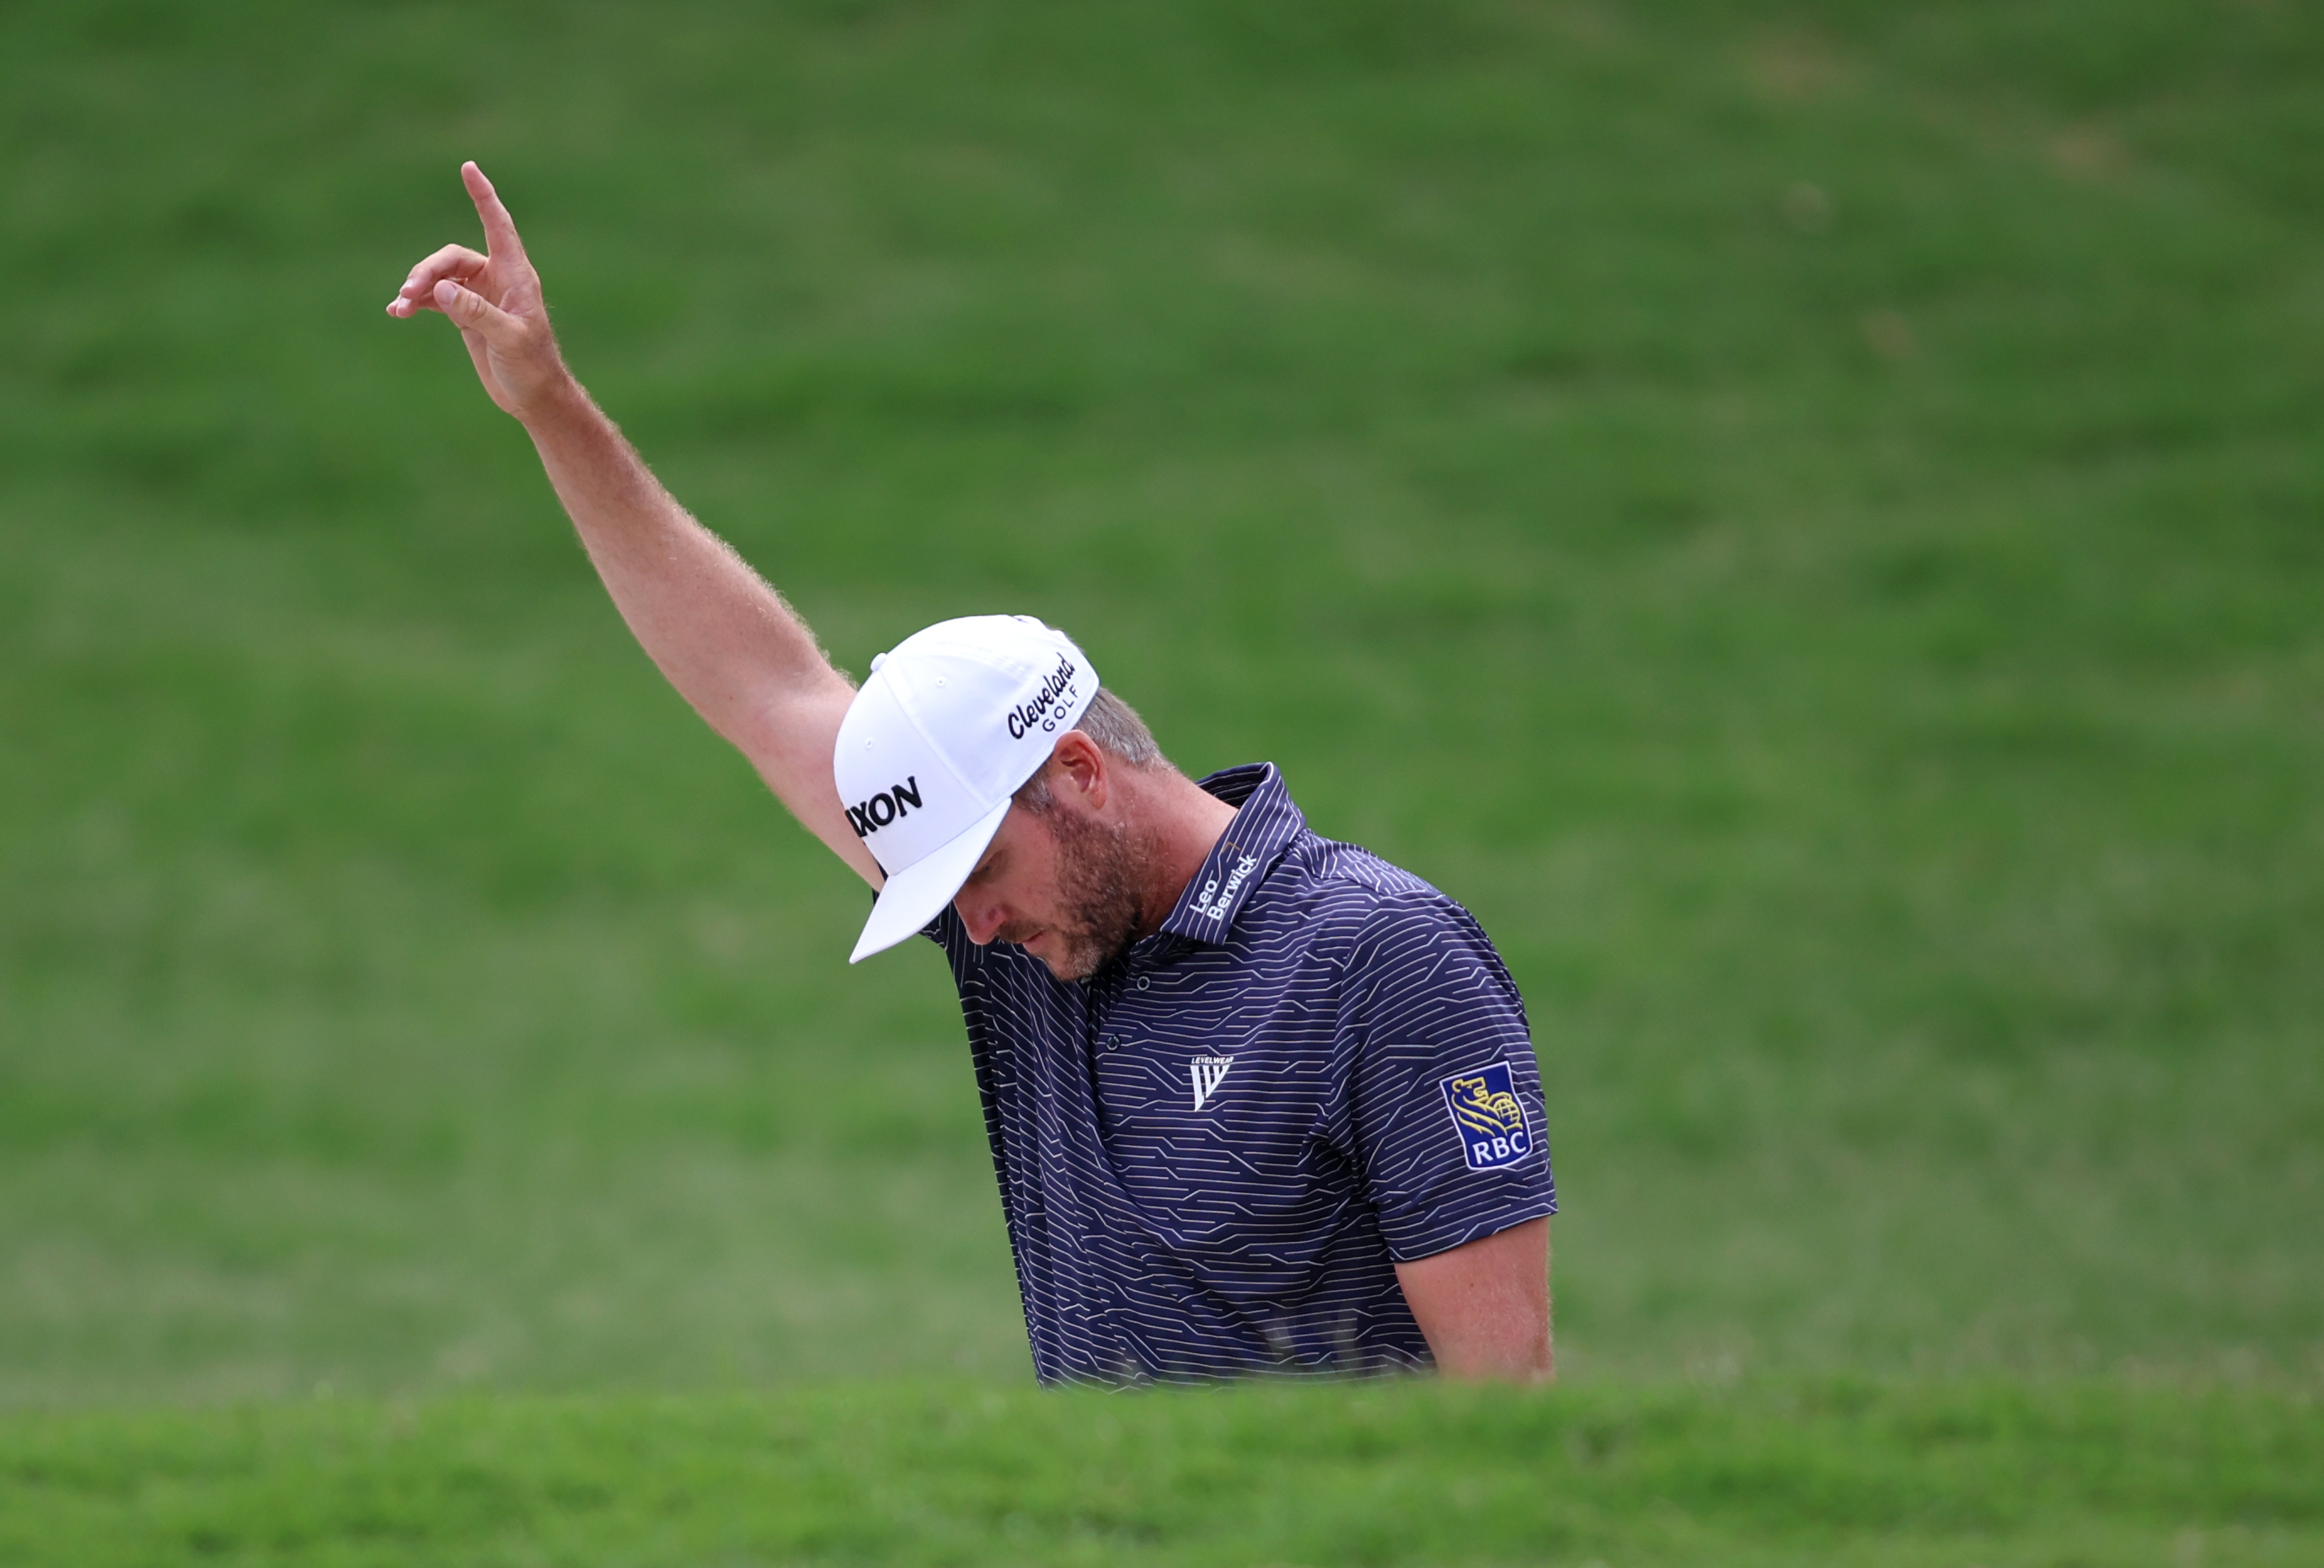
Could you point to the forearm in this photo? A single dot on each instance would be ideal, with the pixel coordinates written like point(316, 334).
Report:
point(724, 638)
point(715, 628)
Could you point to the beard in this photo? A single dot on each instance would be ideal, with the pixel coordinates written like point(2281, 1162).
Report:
point(1102, 878)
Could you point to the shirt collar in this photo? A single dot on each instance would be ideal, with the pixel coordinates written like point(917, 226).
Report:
point(1265, 823)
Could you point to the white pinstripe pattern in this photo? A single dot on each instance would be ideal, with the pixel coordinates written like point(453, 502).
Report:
point(1155, 1241)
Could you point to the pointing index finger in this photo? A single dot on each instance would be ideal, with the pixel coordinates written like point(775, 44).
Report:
point(500, 229)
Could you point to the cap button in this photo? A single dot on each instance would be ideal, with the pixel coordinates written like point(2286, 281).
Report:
point(877, 660)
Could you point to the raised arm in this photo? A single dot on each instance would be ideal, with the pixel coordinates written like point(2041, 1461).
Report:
point(723, 637)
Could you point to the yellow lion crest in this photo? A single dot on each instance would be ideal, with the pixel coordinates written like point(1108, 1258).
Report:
point(1480, 1110)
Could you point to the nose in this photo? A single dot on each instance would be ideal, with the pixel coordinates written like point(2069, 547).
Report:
point(980, 914)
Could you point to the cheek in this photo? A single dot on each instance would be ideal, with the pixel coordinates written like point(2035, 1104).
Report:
point(1022, 897)
point(1030, 888)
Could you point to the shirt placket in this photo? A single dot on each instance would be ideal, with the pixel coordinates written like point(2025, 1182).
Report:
point(1101, 1032)
point(1125, 984)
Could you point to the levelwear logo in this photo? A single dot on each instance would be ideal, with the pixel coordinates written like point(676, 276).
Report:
point(1040, 711)
point(1489, 1116)
point(1213, 901)
point(1207, 1071)
point(884, 808)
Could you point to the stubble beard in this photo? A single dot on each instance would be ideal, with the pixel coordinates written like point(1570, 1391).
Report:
point(1103, 870)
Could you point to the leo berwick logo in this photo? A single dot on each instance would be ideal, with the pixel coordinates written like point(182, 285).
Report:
point(1040, 711)
point(1211, 902)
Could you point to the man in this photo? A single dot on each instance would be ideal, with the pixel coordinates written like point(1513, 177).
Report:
point(1258, 1102)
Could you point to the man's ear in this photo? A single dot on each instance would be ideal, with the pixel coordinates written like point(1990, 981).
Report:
point(1080, 769)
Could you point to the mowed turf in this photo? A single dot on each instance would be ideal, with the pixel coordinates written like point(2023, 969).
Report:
point(943, 1473)
point(1811, 523)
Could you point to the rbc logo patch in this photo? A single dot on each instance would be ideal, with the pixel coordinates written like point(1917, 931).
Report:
point(1488, 1115)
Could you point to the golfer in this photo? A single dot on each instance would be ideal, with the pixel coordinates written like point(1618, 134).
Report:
point(1258, 1102)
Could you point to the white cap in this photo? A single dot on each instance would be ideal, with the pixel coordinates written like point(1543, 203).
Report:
point(949, 723)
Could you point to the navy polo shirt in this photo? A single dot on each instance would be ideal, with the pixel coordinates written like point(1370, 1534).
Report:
point(1213, 1152)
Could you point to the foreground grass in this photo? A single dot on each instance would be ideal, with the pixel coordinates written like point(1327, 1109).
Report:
point(1846, 1472)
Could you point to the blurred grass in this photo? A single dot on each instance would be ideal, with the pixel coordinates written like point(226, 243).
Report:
point(1832, 1472)
point(1806, 520)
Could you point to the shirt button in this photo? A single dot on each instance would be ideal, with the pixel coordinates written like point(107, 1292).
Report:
point(1145, 981)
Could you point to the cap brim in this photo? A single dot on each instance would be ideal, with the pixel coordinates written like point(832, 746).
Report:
point(915, 895)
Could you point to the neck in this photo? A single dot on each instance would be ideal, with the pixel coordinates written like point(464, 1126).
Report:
point(1184, 822)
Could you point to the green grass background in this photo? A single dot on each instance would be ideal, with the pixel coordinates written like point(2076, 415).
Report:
point(1809, 519)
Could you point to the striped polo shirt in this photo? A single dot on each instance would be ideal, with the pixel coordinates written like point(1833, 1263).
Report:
point(1213, 1152)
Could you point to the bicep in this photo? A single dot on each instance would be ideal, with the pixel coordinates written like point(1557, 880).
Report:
point(1444, 1113)
point(1484, 1307)
point(790, 745)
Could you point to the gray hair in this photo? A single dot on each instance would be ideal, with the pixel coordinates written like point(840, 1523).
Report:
point(1118, 730)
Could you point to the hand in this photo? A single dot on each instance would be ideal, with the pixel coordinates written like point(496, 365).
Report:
point(495, 299)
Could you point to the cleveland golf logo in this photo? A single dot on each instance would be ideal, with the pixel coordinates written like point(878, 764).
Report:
point(1488, 1115)
point(1040, 711)
point(884, 808)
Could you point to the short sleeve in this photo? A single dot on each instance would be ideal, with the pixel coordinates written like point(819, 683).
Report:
point(948, 931)
point(1445, 1104)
